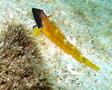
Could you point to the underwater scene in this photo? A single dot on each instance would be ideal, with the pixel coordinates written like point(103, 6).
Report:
point(56, 45)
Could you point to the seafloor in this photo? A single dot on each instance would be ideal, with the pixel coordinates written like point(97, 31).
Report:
point(86, 23)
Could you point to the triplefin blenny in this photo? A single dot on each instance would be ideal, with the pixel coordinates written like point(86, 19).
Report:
point(54, 34)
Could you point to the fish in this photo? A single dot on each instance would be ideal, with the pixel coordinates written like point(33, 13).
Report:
point(54, 34)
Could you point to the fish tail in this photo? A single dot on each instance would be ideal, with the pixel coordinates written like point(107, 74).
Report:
point(80, 58)
point(88, 63)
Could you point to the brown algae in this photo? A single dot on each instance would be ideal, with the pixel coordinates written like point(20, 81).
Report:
point(20, 60)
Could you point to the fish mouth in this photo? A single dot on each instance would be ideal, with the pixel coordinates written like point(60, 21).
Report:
point(37, 14)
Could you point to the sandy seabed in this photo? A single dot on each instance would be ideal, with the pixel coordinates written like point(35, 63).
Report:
point(86, 23)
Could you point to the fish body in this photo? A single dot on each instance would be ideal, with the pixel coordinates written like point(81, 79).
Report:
point(54, 34)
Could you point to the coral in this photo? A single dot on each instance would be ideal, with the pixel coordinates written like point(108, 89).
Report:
point(20, 60)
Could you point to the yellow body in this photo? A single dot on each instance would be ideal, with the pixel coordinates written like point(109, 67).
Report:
point(52, 32)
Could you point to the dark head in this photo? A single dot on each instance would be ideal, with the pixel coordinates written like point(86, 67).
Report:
point(37, 16)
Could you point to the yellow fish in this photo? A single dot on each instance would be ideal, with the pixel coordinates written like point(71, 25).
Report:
point(52, 32)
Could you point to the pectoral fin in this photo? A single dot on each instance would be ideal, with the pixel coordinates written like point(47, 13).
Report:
point(36, 31)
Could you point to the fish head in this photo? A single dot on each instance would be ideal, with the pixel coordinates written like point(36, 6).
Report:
point(38, 15)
